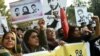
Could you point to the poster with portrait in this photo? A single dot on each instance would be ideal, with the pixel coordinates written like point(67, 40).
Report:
point(81, 15)
point(89, 15)
point(3, 22)
point(26, 10)
point(51, 9)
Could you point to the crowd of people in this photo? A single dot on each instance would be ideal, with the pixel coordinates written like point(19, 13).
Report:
point(17, 41)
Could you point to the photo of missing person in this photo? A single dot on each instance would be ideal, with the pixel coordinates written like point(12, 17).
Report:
point(17, 11)
point(25, 10)
point(53, 6)
point(91, 22)
point(35, 10)
point(81, 15)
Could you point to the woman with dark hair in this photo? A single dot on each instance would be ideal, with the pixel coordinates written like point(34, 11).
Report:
point(25, 10)
point(31, 42)
point(74, 35)
point(8, 47)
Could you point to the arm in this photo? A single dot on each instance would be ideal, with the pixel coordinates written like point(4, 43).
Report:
point(43, 38)
point(97, 30)
point(42, 34)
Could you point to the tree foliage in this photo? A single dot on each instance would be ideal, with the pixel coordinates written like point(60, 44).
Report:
point(4, 11)
point(71, 15)
point(96, 7)
point(3, 8)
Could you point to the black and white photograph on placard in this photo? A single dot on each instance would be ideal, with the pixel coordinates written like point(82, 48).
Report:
point(17, 11)
point(81, 15)
point(91, 22)
point(24, 10)
point(54, 6)
point(51, 10)
point(34, 8)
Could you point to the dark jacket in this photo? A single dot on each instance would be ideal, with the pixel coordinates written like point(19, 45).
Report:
point(93, 47)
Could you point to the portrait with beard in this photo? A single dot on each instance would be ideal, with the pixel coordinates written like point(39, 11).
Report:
point(53, 6)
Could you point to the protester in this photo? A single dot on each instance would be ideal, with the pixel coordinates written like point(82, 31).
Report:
point(37, 29)
point(42, 33)
point(51, 36)
point(9, 44)
point(60, 34)
point(86, 33)
point(18, 40)
point(20, 33)
point(95, 41)
point(74, 35)
point(14, 28)
point(31, 42)
point(52, 40)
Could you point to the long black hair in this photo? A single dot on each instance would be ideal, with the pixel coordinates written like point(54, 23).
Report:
point(26, 8)
point(26, 38)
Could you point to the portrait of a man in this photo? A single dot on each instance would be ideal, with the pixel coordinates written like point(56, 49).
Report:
point(33, 6)
point(81, 15)
point(17, 11)
point(53, 6)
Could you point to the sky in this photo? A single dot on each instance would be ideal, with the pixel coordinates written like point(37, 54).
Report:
point(69, 2)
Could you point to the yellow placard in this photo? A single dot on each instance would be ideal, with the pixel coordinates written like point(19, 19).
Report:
point(74, 49)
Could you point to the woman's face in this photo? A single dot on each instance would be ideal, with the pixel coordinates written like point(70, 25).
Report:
point(33, 40)
point(41, 21)
point(25, 9)
point(19, 32)
point(9, 41)
point(51, 33)
point(76, 32)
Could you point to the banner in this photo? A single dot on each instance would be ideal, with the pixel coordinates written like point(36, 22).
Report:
point(3, 22)
point(74, 49)
point(41, 53)
point(81, 15)
point(26, 10)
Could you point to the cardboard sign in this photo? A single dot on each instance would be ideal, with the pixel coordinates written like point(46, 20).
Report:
point(24, 10)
